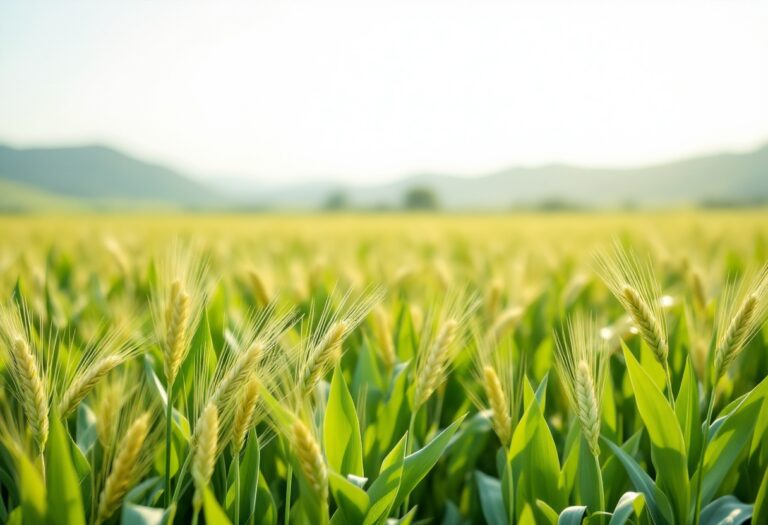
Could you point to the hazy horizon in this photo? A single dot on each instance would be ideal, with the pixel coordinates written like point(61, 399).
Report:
point(286, 94)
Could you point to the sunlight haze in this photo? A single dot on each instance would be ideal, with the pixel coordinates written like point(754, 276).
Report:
point(282, 92)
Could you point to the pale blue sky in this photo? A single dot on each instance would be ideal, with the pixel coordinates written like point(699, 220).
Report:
point(288, 91)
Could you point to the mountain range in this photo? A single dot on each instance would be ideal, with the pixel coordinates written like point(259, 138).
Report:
point(99, 177)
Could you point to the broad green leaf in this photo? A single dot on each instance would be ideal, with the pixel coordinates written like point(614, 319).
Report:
point(572, 515)
point(491, 500)
point(687, 411)
point(761, 502)
point(214, 514)
point(32, 490)
point(341, 430)
point(385, 488)
point(658, 505)
point(86, 428)
point(727, 444)
point(588, 474)
point(726, 511)
point(64, 498)
point(249, 479)
point(667, 443)
point(630, 504)
point(417, 465)
point(549, 515)
point(351, 499)
point(535, 463)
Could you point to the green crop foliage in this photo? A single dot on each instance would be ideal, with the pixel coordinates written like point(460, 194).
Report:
point(380, 369)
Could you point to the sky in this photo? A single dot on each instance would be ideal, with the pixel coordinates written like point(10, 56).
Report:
point(280, 91)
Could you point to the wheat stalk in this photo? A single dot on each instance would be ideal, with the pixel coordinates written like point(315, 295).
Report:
point(581, 358)
point(384, 337)
point(648, 324)
point(204, 453)
point(310, 459)
point(124, 468)
point(500, 417)
point(259, 286)
point(433, 366)
point(244, 413)
point(176, 319)
point(84, 383)
point(735, 337)
point(32, 390)
point(587, 408)
point(325, 354)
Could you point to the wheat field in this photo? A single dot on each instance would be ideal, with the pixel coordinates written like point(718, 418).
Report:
point(367, 369)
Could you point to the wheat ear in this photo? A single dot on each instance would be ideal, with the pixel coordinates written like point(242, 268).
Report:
point(433, 367)
point(648, 324)
point(176, 318)
point(736, 335)
point(500, 419)
point(121, 477)
point(204, 457)
point(325, 354)
point(84, 383)
point(586, 407)
point(244, 413)
point(259, 286)
point(34, 396)
point(384, 337)
point(310, 459)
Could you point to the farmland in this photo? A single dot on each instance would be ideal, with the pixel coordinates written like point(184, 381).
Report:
point(342, 368)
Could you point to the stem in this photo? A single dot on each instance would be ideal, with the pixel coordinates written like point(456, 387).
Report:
point(670, 393)
point(168, 430)
point(409, 450)
point(705, 442)
point(195, 515)
point(182, 474)
point(288, 482)
point(237, 490)
point(600, 488)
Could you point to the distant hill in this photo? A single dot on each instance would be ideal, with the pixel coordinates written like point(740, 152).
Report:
point(101, 178)
point(728, 178)
point(97, 174)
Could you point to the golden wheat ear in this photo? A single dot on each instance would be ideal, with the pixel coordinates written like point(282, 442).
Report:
point(124, 473)
point(205, 452)
point(177, 302)
point(27, 370)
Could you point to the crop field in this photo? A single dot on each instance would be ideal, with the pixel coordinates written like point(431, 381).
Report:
point(601, 368)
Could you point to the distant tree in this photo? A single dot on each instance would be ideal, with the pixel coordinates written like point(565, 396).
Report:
point(420, 198)
point(336, 201)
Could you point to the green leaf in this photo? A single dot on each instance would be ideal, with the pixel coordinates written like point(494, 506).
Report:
point(62, 481)
point(630, 504)
point(761, 502)
point(341, 430)
point(351, 499)
point(417, 465)
point(588, 474)
point(535, 463)
point(572, 515)
point(549, 515)
point(214, 514)
point(727, 444)
point(491, 500)
point(32, 492)
point(139, 515)
point(249, 479)
point(687, 412)
point(726, 511)
point(658, 505)
point(386, 486)
point(667, 443)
